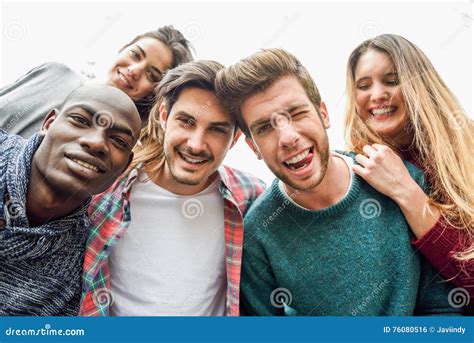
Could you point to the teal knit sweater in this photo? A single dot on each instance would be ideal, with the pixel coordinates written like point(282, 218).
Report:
point(353, 258)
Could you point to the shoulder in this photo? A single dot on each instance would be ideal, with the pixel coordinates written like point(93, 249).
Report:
point(54, 67)
point(242, 184)
point(262, 208)
point(52, 71)
point(8, 142)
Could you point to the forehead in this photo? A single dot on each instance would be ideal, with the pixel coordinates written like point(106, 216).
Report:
point(112, 108)
point(156, 51)
point(284, 93)
point(373, 62)
point(202, 104)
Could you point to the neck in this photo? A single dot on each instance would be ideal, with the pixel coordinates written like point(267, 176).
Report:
point(330, 190)
point(166, 180)
point(44, 204)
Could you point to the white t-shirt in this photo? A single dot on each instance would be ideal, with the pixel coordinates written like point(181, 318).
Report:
point(170, 260)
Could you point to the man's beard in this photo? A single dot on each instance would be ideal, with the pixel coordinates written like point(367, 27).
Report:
point(184, 180)
point(323, 153)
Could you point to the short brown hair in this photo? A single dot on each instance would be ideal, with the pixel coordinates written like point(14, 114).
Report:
point(257, 73)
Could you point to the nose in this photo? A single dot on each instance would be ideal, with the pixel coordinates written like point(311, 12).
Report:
point(288, 137)
point(196, 141)
point(135, 70)
point(379, 93)
point(95, 142)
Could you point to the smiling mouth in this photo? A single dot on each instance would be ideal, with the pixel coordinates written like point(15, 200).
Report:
point(301, 160)
point(124, 79)
point(191, 159)
point(87, 165)
point(383, 111)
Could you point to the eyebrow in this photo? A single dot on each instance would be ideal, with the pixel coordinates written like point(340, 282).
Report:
point(289, 109)
point(144, 56)
point(91, 111)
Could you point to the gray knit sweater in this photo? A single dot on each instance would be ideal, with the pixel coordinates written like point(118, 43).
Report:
point(40, 267)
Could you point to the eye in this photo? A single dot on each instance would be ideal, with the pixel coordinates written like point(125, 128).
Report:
point(298, 115)
point(187, 122)
point(153, 77)
point(363, 86)
point(121, 143)
point(392, 82)
point(134, 54)
point(219, 130)
point(263, 128)
point(79, 119)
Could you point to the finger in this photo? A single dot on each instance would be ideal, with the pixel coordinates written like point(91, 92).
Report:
point(379, 147)
point(362, 160)
point(369, 150)
point(361, 171)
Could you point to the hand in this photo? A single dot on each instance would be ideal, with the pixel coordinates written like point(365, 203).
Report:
point(381, 167)
point(385, 171)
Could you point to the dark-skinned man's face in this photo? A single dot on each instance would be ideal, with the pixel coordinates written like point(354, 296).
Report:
point(89, 143)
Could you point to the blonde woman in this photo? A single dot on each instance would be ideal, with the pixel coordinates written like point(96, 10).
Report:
point(398, 107)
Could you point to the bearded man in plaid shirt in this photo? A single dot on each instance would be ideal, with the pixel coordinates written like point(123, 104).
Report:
point(166, 238)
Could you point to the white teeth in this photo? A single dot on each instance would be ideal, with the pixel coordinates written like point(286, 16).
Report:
point(191, 160)
point(124, 79)
point(86, 165)
point(380, 111)
point(299, 157)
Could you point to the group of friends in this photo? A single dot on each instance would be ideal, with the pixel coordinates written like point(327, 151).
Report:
point(115, 200)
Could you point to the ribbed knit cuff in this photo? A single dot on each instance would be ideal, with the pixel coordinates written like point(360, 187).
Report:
point(441, 240)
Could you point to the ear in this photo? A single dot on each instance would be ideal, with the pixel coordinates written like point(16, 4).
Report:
point(163, 115)
point(324, 115)
point(48, 120)
point(252, 146)
point(236, 138)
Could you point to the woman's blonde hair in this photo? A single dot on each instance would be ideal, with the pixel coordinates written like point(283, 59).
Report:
point(442, 132)
point(149, 151)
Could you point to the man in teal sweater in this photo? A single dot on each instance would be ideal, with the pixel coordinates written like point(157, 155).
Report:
point(320, 240)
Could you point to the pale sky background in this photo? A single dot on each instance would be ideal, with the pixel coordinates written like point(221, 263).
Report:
point(87, 35)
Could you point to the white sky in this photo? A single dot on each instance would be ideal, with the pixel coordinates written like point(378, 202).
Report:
point(321, 35)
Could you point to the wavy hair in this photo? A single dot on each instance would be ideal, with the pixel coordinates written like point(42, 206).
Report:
point(443, 135)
